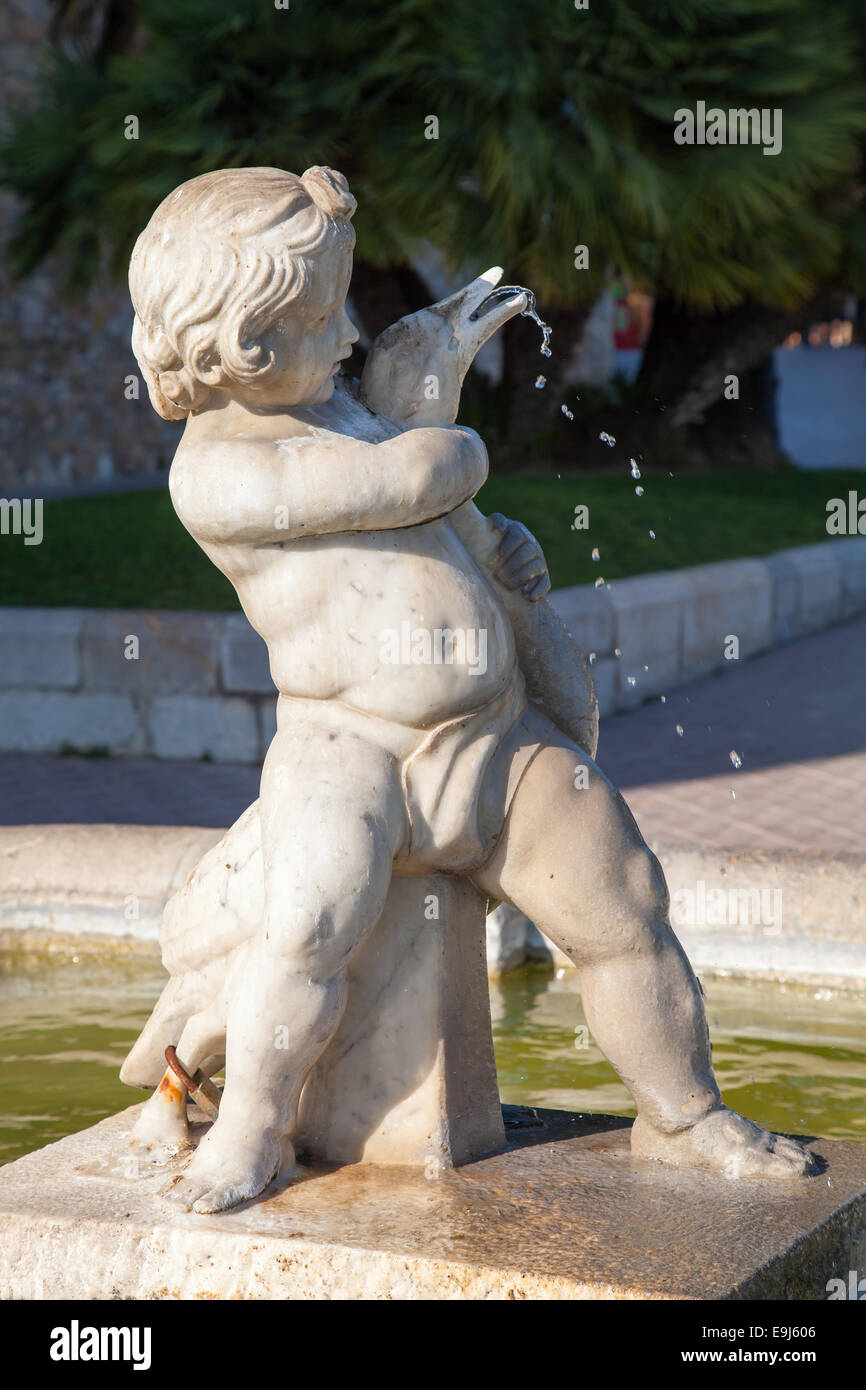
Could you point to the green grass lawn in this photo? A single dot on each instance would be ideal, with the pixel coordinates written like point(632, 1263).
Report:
point(130, 551)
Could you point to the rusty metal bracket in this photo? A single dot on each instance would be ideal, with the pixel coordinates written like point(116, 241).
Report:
point(198, 1087)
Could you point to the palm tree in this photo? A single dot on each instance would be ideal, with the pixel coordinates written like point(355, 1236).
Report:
point(553, 130)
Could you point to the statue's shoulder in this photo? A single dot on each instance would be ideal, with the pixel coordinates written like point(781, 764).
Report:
point(205, 452)
point(208, 469)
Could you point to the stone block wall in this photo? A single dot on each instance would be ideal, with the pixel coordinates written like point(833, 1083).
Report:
point(171, 685)
point(656, 631)
point(198, 685)
point(64, 415)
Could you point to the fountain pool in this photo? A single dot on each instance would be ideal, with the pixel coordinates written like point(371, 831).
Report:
point(783, 1056)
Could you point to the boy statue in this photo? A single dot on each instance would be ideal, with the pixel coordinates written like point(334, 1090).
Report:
point(343, 516)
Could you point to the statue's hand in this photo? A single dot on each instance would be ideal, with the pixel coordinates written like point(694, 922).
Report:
point(415, 369)
point(519, 562)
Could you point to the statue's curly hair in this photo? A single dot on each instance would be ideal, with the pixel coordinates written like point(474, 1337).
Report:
point(219, 260)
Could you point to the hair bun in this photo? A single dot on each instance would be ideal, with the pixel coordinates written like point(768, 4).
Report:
point(329, 191)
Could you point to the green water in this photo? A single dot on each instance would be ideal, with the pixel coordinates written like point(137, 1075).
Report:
point(790, 1058)
point(66, 1025)
point(783, 1056)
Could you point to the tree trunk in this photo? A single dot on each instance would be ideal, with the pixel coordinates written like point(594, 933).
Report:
point(706, 389)
point(711, 374)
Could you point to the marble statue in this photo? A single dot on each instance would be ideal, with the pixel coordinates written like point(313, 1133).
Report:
point(433, 713)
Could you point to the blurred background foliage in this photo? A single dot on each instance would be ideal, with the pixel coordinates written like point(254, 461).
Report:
point(555, 130)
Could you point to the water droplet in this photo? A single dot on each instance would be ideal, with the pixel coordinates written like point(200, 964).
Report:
point(652, 535)
point(663, 699)
point(639, 491)
point(569, 414)
point(607, 439)
point(646, 668)
point(632, 680)
point(635, 471)
point(733, 795)
point(617, 651)
point(598, 582)
point(680, 731)
point(595, 554)
point(735, 758)
point(540, 382)
point(593, 658)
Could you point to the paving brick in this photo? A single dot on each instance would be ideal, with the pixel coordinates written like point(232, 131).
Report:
point(734, 599)
point(820, 585)
point(649, 625)
point(181, 726)
point(176, 652)
point(42, 721)
point(852, 555)
point(605, 678)
point(39, 647)
point(244, 664)
point(589, 616)
point(786, 584)
point(267, 712)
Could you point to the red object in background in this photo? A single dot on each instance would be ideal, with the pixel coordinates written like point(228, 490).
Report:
point(632, 316)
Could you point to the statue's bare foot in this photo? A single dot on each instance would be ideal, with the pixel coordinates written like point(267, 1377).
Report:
point(726, 1143)
point(162, 1127)
point(230, 1166)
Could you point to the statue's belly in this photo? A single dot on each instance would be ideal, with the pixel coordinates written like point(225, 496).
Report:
point(400, 623)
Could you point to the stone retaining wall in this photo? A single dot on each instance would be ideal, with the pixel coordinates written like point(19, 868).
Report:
point(673, 627)
point(65, 363)
point(200, 686)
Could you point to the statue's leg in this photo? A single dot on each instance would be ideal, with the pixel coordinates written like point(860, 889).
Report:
point(332, 819)
point(572, 859)
point(163, 1124)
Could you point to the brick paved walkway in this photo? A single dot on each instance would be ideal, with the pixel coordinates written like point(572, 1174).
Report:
point(796, 717)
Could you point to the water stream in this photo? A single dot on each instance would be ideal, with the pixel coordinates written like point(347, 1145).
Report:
point(530, 312)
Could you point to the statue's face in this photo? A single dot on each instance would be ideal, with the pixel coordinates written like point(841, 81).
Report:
point(309, 348)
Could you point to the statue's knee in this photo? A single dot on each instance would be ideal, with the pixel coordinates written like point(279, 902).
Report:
point(316, 945)
point(636, 921)
point(645, 885)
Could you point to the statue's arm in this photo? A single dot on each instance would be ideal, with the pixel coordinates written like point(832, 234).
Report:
point(556, 674)
point(253, 491)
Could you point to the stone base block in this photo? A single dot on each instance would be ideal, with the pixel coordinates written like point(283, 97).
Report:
point(564, 1212)
point(410, 1076)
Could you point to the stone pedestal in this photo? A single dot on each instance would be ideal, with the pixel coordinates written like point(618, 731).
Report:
point(410, 1075)
point(564, 1212)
